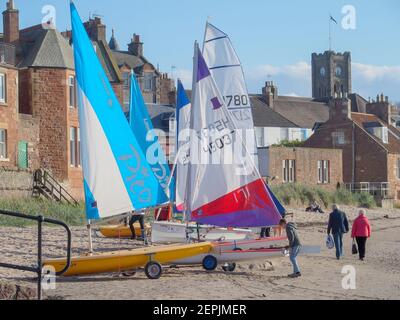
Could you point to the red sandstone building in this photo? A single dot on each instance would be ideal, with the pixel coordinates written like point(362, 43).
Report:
point(39, 125)
point(370, 145)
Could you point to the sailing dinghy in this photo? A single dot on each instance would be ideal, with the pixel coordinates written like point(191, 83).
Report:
point(142, 127)
point(117, 177)
point(177, 232)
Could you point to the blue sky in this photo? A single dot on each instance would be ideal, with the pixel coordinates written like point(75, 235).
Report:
point(274, 39)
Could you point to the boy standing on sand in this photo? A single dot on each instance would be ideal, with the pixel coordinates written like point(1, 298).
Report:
point(294, 246)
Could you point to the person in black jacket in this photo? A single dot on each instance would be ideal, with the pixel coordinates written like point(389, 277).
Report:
point(338, 225)
point(294, 245)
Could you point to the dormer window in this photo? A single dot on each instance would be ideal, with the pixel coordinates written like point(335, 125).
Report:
point(378, 130)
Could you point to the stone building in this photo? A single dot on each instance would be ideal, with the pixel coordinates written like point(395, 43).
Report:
point(370, 144)
point(39, 126)
point(331, 74)
point(307, 166)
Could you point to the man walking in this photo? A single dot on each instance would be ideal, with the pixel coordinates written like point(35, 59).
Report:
point(338, 225)
point(294, 246)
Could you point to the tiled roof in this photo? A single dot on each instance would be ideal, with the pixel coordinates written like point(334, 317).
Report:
point(264, 116)
point(358, 103)
point(124, 57)
point(394, 134)
point(45, 48)
point(304, 112)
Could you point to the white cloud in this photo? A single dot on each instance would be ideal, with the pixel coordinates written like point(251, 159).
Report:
point(373, 73)
point(299, 70)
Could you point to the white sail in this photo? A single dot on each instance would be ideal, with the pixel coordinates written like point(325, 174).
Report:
point(227, 72)
point(218, 194)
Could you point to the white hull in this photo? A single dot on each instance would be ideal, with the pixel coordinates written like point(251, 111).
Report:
point(234, 256)
point(175, 232)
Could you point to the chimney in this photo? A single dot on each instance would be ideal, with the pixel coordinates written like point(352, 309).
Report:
point(96, 29)
point(381, 108)
point(270, 93)
point(11, 23)
point(136, 47)
point(340, 108)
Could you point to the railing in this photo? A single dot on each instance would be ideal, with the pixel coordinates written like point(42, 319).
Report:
point(49, 187)
point(38, 268)
point(374, 188)
point(7, 53)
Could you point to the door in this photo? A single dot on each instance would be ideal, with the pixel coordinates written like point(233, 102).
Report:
point(22, 155)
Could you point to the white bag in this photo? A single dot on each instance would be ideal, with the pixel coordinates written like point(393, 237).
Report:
point(330, 244)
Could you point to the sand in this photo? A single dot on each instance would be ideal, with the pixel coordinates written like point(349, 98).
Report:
point(376, 278)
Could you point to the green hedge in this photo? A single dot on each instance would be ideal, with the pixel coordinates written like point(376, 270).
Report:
point(72, 215)
point(303, 195)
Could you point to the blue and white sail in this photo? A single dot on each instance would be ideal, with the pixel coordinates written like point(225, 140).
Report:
point(117, 177)
point(227, 72)
point(183, 107)
point(143, 129)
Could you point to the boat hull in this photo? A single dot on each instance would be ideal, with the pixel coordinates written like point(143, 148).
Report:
point(174, 232)
point(121, 231)
point(127, 260)
point(230, 256)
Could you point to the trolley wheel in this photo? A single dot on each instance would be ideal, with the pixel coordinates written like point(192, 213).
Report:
point(153, 270)
point(210, 263)
point(229, 267)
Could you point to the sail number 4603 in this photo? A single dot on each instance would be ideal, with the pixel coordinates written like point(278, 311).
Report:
point(236, 100)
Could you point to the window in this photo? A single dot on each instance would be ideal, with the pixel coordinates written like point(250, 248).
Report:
point(338, 138)
point(2, 87)
point(126, 78)
point(148, 81)
point(74, 146)
point(260, 137)
point(72, 91)
point(289, 167)
point(385, 135)
point(3, 143)
point(323, 171)
point(398, 168)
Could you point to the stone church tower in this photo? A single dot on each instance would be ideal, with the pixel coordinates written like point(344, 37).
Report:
point(331, 74)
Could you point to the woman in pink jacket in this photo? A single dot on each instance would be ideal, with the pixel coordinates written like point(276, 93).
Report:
point(361, 231)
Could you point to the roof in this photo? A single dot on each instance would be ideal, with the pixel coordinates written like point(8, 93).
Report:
point(124, 57)
point(45, 48)
point(393, 133)
point(303, 112)
point(264, 116)
point(358, 103)
point(160, 115)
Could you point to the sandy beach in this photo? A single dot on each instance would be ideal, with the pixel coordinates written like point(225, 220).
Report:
point(376, 278)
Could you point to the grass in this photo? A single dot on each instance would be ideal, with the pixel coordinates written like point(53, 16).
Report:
point(72, 215)
point(298, 194)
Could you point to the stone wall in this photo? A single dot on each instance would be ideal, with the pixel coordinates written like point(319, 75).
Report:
point(15, 183)
point(50, 104)
point(306, 165)
point(9, 117)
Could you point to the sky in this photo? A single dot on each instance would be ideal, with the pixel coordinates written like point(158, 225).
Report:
point(274, 39)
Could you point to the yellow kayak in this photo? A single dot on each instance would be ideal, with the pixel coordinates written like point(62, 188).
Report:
point(149, 257)
point(121, 231)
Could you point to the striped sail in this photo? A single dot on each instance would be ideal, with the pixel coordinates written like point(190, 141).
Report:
point(227, 72)
point(117, 177)
point(183, 107)
point(143, 129)
point(218, 193)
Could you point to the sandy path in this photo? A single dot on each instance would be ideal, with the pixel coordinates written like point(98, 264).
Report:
point(377, 278)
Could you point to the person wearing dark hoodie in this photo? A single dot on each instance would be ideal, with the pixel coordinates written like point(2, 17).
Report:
point(294, 245)
point(338, 225)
